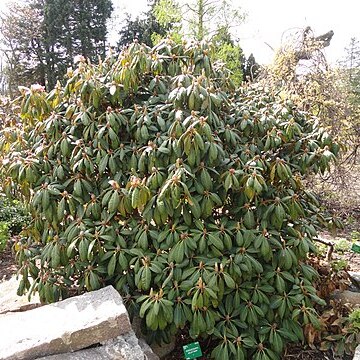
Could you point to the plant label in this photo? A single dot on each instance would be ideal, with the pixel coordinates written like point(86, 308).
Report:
point(192, 351)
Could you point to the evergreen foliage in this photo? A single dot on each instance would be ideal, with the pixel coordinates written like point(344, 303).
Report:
point(251, 68)
point(151, 173)
point(144, 28)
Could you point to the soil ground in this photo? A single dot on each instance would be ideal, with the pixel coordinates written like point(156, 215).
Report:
point(7, 264)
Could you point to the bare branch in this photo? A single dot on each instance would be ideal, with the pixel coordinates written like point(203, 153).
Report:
point(269, 46)
point(330, 244)
point(311, 44)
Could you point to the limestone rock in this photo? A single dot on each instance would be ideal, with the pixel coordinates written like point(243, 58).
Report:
point(10, 301)
point(124, 347)
point(355, 278)
point(357, 353)
point(150, 355)
point(87, 354)
point(68, 325)
point(347, 297)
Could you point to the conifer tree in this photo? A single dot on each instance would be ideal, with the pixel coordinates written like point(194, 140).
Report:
point(145, 28)
point(41, 37)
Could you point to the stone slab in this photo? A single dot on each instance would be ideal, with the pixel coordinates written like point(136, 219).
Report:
point(357, 353)
point(124, 347)
point(66, 326)
point(87, 354)
point(347, 297)
point(150, 355)
point(10, 301)
point(355, 278)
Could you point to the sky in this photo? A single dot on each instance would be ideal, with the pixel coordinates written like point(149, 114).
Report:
point(269, 22)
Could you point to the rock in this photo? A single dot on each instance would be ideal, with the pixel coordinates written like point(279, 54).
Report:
point(355, 278)
point(357, 353)
point(10, 301)
point(87, 354)
point(347, 297)
point(68, 325)
point(76, 323)
point(124, 347)
point(150, 355)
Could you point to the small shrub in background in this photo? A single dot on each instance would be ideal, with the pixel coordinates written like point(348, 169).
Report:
point(151, 173)
point(342, 246)
point(355, 236)
point(14, 214)
point(4, 235)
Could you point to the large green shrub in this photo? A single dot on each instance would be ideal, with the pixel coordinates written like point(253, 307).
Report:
point(149, 172)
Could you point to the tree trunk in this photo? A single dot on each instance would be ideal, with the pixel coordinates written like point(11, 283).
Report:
point(201, 14)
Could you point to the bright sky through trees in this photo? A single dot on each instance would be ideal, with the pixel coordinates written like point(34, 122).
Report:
point(268, 21)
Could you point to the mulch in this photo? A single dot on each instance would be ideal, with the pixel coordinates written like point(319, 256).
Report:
point(296, 352)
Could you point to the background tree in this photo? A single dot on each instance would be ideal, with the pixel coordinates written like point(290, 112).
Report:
point(211, 20)
point(41, 38)
point(251, 68)
point(21, 46)
point(331, 95)
point(351, 67)
point(229, 52)
point(201, 18)
point(85, 27)
point(300, 68)
point(170, 12)
point(146, 28)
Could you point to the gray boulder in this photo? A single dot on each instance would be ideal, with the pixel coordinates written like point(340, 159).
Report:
point(66, 326)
